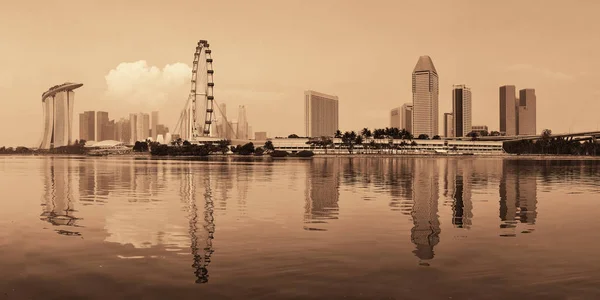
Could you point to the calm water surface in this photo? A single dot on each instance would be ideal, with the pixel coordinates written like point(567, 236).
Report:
point(326, 228)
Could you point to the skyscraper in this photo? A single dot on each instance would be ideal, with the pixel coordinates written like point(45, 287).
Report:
point(508, 111)
point(58, 104)
point(101, 122)
point(461, 110)
point(406, 117)
point(396, 117)
point(514, 111)
point(154, 124)
point(448, 125)
point(320, 114)
point(425, 98)
point(87, 126)
point(142, 127)
point(527, 112)
point(133, 128)
point(242, 125)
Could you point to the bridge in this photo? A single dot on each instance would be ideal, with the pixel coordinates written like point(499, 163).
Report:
point(578, 136)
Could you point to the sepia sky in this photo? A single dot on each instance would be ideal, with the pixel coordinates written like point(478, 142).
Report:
point(135, 55)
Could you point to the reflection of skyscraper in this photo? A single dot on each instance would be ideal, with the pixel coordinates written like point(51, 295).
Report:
point(58, 197)
point(457, 190)
point(322, 194)
point(518, 194)
point(426, 229)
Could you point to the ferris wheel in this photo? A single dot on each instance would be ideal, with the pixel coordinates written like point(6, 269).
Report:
point(201, 97)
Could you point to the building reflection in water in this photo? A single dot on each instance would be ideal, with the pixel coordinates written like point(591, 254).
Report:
point(322, 193)
point(518, 196)
point(201, 251)
point(58, 202)
point(426, 225)
point(457, 191)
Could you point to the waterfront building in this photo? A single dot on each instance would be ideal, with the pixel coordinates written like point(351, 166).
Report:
point(400, 146)
point(448, 125)
point(425, 98)
point(517, 116)
point(87, 126)
point(406, 117)
point(58, 104)
point(320, 114)
point(479, 128)
point(396, 118)
point(260, 136)
point(461, 110)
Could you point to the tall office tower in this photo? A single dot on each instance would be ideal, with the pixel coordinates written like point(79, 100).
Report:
point(406, 117)
point(508, 110)
point(448, 125)
point(425, 98)
point(154, 124)
point(396, 118)
point(514, 111)
point(133, 137)
point(242, 125)
point(527, 112)
point(58, 104)
point(87, 126)
point(101, 121)
point(461, 110)
point(142, 126)
point(320, 114)
point(109, 130)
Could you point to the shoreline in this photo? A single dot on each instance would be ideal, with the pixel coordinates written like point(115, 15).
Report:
point(377, 155)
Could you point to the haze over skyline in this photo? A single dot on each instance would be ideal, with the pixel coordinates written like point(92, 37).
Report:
point(134, 56)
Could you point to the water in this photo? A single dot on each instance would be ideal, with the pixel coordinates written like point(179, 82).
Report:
point(326, 228)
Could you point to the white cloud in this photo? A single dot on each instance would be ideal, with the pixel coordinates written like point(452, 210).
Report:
point(532, 70)
point(144, 86)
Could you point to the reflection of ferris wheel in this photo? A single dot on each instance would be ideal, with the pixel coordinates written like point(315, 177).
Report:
point(201, 93)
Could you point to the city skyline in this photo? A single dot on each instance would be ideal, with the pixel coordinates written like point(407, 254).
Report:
point(285, 68)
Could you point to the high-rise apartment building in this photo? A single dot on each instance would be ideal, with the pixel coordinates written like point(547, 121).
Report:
point(448, 125)
point(461, 110)
point(123, 131)
point(101, 123)
point(425, 98)
point(406, 117)
point(142, 126)
point(527, 112)
point(87, 126)
point(320, 114)
point(517, 116)
point(396, 117)
point(154, 125)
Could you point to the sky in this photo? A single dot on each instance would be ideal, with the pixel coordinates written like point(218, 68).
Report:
point(134, 56)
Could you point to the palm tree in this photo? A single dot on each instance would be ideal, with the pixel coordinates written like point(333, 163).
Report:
point(358, 140)
point(338, 134)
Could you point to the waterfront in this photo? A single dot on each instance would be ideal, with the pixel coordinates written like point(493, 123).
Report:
point(324, 228)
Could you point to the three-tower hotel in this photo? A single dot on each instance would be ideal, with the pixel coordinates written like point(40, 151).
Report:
point(58, 104)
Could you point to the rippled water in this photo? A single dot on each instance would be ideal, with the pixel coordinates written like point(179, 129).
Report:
point(326, 228)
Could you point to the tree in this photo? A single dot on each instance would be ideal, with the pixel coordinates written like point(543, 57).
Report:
point(495, 133)
point(366, 133)
point(269, 146)
point(437, 137)
point(546, 134)
point(473, 135)
point(423, 136)
point(349, 139)
point(338, 134)
point(140, 147)
point(246, 149)
point(187, 143)
point(293, 136)
point(223, 146)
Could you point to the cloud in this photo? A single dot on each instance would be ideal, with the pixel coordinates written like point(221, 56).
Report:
point(144, 86)
point(532, 70)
